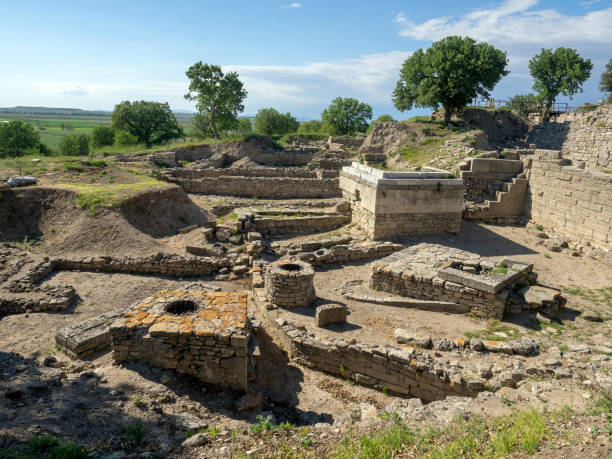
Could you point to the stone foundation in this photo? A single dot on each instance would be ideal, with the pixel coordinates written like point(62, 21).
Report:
point(393, 204)
point(433, 272)
point(200, 333)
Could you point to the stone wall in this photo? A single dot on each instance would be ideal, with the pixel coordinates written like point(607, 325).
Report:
point(573, 202)
point(400, 371)
point(392, 204)
point(263, 187)
point(584, 136)
point(269, 226)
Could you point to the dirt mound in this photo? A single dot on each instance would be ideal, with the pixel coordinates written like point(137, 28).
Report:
point(52, 217)
point(389, 137)
point(499, 126)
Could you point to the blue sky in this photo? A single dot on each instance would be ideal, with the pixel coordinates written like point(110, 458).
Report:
point(294, 56)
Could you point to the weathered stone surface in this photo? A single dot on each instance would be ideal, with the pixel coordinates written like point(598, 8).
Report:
point(330, 314)
point(22, 180)
point(248, 402)
point(403, 336)
point(196, 440)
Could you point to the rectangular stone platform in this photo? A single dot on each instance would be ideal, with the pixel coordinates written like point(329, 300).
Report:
point(391, 204)
point(435, 272)
point(88, 337)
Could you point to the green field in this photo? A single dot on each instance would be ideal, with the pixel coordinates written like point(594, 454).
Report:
point(50, 125)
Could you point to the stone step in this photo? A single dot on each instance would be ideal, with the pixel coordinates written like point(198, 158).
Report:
point(88, 337)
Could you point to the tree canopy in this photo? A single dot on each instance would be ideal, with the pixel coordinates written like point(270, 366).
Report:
point(219, 96)
point(16, 137)
point(270, 121)
point(102, 135)
point(312, 127)
point(561, 71)
point(605, 82)
point(150, 122)
point(450, 73)
point(74, 145)
point(523, 104)
point(347, 116)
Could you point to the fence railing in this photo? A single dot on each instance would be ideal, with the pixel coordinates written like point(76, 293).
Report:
point(530, 107)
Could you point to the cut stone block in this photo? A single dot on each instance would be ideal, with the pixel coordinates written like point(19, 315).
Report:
point(87, 337)
point(330, 314)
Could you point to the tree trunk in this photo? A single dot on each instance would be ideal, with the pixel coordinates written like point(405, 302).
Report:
point(545, 115)
point(213, 125)
point(448, 112)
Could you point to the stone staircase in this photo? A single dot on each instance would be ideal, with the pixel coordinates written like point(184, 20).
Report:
point(508, 203)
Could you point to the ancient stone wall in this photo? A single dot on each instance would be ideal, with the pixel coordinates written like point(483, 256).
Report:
point(400, 371)
point(263, 187)
point(270, 226)
point(573, 202)
point(584, 136)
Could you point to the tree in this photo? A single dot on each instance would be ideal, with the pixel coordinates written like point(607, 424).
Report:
point(605, 83)
point(101, 136)
point(218, 96)
point(269, 121)
point(74, 145)
point(150, 122)
point(561, 71)
point(311, 127)
point(523, 104)
point(380, 119)
point(347, 116)
point(450, 73)
point(245, 127)
point(16, 137)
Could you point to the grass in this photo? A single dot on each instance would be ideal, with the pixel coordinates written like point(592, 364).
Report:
point(518, 433)
point(44, 447)
point(134, 435)
point(93, 197)
point(264, 425)
point(224, 218)
point(489, 333)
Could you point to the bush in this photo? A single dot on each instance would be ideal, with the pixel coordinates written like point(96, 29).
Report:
point(124, 138)
point(312, 127)
point(16, 137)
point(102, 136)
point(74, 145)
point(269, 121)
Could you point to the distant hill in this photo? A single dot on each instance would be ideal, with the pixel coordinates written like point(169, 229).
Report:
point(20, 110)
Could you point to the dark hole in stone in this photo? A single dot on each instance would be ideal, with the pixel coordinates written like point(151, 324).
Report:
point(291, 267)
point(181, 307)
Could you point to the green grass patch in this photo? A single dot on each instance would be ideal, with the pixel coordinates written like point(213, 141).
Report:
point(93, 197)
point(44, 447)
point(492, 332)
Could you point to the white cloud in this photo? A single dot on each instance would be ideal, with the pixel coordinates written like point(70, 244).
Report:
point(292, 5)
point(515, 23)
point(370, 78)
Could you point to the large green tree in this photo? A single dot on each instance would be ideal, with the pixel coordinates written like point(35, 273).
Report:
point(150, 122)
point(16, 137)
point(219, 96)
point(270, 121)
point(562, 71)
point(347, 116)
point(605, 82)
point(449, 74)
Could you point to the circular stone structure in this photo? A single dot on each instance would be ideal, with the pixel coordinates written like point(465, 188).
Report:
point(288, 284)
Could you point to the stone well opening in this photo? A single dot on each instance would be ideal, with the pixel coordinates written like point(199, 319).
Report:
point(290, 267)
point(181, 307)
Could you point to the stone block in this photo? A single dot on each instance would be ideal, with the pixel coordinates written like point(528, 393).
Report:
point(330, 314)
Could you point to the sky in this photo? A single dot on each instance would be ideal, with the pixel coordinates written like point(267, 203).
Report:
point(293, 56)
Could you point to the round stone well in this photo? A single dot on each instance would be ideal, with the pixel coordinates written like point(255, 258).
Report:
point(289, 284)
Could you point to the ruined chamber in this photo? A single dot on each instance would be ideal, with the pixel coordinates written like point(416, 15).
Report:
point(195, 332)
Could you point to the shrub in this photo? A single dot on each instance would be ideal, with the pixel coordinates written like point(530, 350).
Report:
point(16, 137)
point(124, 138)
point(269, 121)
point(74, 145)
point(101, 136)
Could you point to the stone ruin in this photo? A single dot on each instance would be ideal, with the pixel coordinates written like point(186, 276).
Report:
point(195, 332)
point(391, 204)
point(289, 284)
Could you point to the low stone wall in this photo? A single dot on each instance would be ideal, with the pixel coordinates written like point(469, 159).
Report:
point(208, 342)
point(194, 174)
point(584, 136)
point(38, 299)
point(572, 201)
point(263, 187)
point(401, 371)
point(306, 224)
point(486, 176)
point(88, 337)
